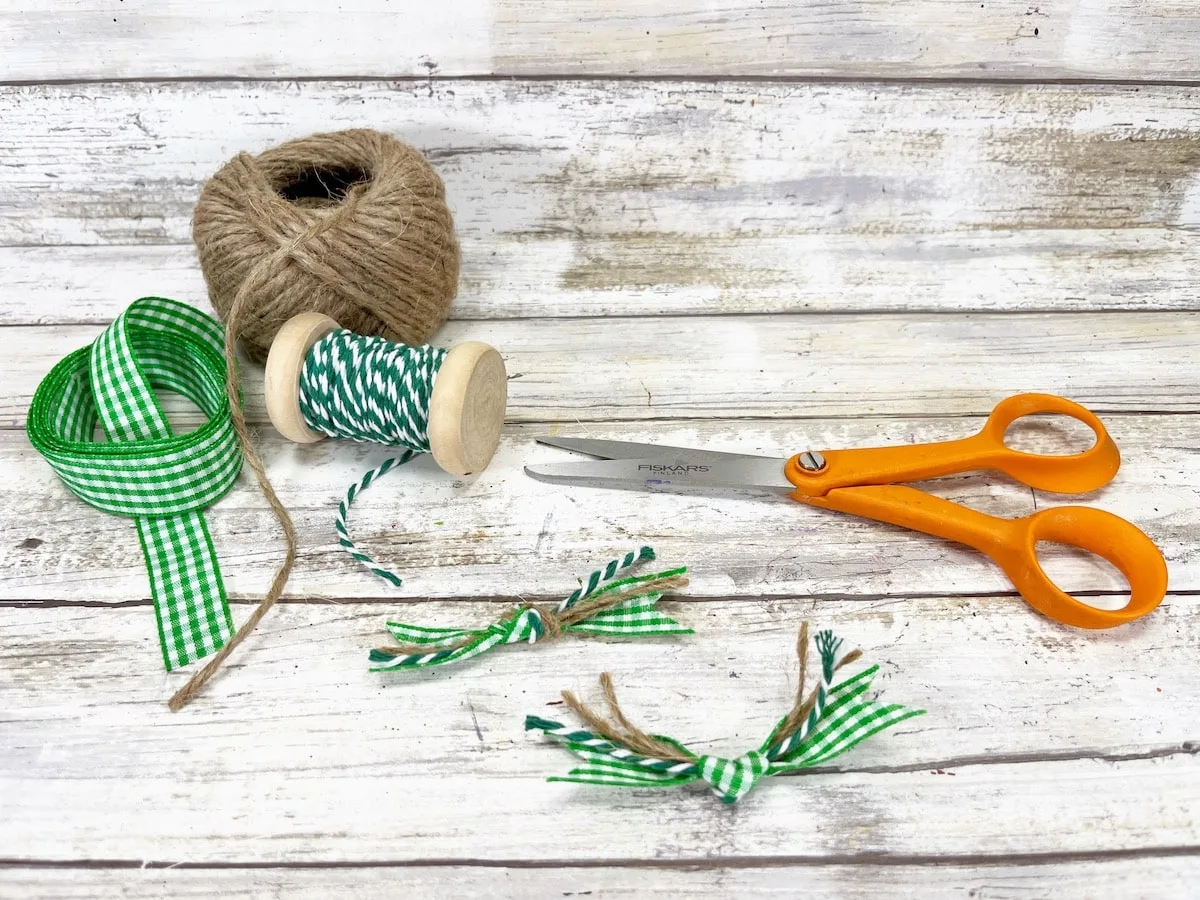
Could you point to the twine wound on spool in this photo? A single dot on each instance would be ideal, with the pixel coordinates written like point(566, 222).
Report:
point(353, 224)
point(324, 381)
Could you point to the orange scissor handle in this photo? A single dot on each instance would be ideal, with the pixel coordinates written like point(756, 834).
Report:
point(1120, 542)
point(1012, 544)
point(1072, 473)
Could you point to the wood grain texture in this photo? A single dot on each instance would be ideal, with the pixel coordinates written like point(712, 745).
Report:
point(1145, 877)
point(1111, 39)
point(754, 226)
point(639, 187)
point(783, 366)
point(297, 753)
point(987, 271)
point(504, 534)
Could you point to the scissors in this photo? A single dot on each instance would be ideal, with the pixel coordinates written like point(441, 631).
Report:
point(864, 483)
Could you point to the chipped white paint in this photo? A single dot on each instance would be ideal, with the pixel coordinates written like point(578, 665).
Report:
point(1149, 876)
point(1032, 730)
point(1114, 39)
point(1189, 209)
point(592, 172)
point(504, 276)
point(98, 39)
point(820, 365)
point(504, 533)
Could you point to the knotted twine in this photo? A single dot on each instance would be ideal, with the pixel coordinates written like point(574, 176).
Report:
point(604, 604)
point(144, 470)
point(828, 722)
point(353, 224)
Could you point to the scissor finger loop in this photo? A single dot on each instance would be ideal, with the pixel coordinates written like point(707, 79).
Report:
point(869, 483)
point(1072, 473)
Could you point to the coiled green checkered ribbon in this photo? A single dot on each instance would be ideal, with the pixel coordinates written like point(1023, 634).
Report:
point(144, 470)
point(840, 718)
point(369, 389)
point(633, 616)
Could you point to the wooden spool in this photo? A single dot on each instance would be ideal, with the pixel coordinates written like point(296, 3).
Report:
point(466, 410)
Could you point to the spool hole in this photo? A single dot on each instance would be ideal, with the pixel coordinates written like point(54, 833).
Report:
point(1049, 434)
point(322, 185)
point(1088, 577)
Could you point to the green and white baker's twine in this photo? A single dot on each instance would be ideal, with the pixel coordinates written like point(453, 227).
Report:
point(144, 470)
point(840, 718)
point(631, 614)
point(369, 389)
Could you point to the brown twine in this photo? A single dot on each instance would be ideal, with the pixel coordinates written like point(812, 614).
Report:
point(618, 729)
point(553, 620)
point(353, 224)
point(185, 694)
point(802, 707)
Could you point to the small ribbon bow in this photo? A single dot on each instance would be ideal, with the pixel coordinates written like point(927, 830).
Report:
point(833, 719)
point(732, 779)
point(603, 604)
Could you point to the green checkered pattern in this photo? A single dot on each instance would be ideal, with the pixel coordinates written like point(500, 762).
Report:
point(144, 470)
point(635, 616)
point(845, 718)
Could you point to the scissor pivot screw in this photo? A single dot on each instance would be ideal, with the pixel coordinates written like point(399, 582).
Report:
point(812, 461)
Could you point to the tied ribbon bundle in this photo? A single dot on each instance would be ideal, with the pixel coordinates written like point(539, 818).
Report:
point(144, 470)
point(830, 721)
point(604, 604)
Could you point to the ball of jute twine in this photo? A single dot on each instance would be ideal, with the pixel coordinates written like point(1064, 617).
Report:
point(352, 224)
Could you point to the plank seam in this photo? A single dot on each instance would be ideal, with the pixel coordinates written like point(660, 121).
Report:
point(602, 78)
point(699, 416)
point(9, 603)
point(873, 858)
point(930, 311)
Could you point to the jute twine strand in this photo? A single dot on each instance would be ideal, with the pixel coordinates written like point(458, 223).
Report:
point(377, 253)
point(803, 706)
point(232, 386)
point(617, 728)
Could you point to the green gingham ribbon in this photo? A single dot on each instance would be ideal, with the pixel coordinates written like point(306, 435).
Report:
point(635, 616)
point(144, 470)
point(842, 718)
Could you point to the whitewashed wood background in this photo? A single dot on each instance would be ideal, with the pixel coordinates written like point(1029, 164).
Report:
point(753, 225)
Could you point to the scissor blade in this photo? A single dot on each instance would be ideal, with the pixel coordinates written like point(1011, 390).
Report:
point(633, 450)
point(662, 473)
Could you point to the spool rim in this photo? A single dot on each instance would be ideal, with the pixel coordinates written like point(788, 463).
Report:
point(467, 408)
point(285, 361)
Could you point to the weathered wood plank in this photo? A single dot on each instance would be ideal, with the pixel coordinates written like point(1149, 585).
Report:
point(1138, 40)
point(1143, 39)
point(821, 365)
point(506, 534)
point(646, 186)
point(506, 277)
point(1147, 877)
point(1031, 731)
